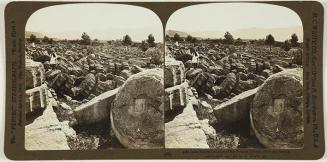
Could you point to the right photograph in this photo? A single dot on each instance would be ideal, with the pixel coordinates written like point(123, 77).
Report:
point(233, 77)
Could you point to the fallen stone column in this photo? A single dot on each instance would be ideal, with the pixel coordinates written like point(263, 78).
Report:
point(137, 117)
point(176, 97)
point(111, 68)
point(225, 88)
point(96, 110)
point(118, 68)
point(175, 84)
point(174, 72)
point(84, 89)
point(277, 111)
point(36, 98)
point(235, 109)
point(34, 74)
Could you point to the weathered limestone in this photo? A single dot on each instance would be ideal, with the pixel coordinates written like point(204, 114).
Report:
point(34, 74)
point(174, 72)
point(85, 88)
point(235, 109)
point(192, 73)
point(277, 111)
point(125, 74)
point(36, 98)
point(176, 87)
point(97, 109)
point(185, 130)
point(116, 67)
point(176, 97)
point(225, 87)
point(137, 117)
point(118, 81)
point(61, 82)
point(47, 133)
point(111, 68)
point(104, 86)
point(36, 92)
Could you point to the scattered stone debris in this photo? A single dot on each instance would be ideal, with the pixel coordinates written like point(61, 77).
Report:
point(80, 83)
point(224, 79)
point(207, 96)
point(65, 106)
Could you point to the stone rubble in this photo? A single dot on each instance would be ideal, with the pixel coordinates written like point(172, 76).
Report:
point(79, 83)
point(224, 80)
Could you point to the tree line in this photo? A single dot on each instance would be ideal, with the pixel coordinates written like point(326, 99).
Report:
point(229, 39)
point(86, 40)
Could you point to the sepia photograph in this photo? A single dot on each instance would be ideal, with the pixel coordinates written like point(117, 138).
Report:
point(163, 80)
point(94, 78)
point(234, 77)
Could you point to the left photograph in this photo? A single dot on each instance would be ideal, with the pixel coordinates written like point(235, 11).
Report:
point(94, 78)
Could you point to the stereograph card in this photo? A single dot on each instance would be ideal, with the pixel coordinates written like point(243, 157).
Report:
point(164, 80)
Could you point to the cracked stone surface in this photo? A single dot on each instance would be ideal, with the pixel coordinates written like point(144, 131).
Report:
point(185, 131)
point(47, 133)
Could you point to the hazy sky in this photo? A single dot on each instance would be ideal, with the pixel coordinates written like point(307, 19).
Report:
point(232, 16)
point(102, 21)
point(113, 21)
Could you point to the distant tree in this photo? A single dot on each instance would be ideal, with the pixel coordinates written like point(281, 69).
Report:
point(177, 38)
point(194, 40)
point(287, 45)
point(50, 41)
point(294, 40)
point(33, 38)
point(151, 40)
point(270, 40)
point(144, 46)
point(229, 39)
point(127, 40)
point(238, 41)
point(86, 40)
point(96, 42)
point(189, 38)
point(45, 39)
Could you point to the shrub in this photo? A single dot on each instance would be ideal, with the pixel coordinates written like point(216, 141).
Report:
point(144, 46)
point(86, 40)
point(127, 40)
point(229, 39)
point(294, 40)
point(151, 40)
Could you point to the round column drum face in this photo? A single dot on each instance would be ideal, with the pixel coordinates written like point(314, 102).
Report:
point(137, 116)
point(277, 111)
